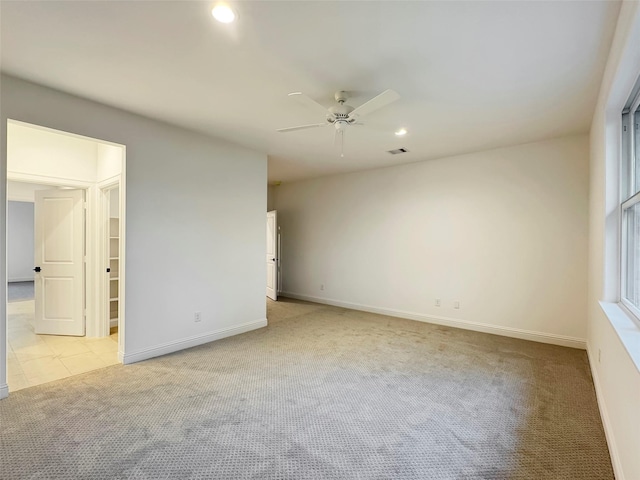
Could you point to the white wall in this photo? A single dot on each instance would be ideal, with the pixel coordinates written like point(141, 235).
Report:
point(108, 162)
point(20, 242)
point(32, 151)
point(114, 203)
point(194, 221)
point(36, 152)
point(24, 192)
point(271, 197)
point(616, 376)
point(504, 232)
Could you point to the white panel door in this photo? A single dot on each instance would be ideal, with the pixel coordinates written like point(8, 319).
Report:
point(59, 258)
point(272, 248)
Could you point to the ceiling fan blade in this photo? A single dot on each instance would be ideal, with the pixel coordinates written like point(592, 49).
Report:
point(385, 98)
point(308, 102)
point(302, 127)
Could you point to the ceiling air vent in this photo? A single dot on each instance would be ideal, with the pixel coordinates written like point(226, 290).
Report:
point(398, 150)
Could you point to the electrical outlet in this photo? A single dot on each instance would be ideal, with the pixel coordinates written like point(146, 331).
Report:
point(456, 304)
point(437, 302)
point(197, 317)
point(322, 286)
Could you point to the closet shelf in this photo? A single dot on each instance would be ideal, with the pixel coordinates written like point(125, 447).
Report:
point(114, 264)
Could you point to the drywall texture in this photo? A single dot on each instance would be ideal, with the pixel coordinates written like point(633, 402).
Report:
point(24, 192)
point(195, 213)
point(114, 202)
point(109, 162)
point(46, 155)
point(20, 241)
point(616, 376)
point(271, 197)
point(32, 151)
point(503, 232)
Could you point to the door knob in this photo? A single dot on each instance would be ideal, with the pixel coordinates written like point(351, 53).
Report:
point(37, 269)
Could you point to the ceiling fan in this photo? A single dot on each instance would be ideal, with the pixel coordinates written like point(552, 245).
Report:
point(341, 115)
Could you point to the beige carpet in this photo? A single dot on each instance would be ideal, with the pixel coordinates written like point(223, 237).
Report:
point(322, 393)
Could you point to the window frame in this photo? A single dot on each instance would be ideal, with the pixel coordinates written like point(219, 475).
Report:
point(628, 199)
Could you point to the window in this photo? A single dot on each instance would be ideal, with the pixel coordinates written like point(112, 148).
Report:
point(630, 204)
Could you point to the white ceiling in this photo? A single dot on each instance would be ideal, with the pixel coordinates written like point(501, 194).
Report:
point(472, 75)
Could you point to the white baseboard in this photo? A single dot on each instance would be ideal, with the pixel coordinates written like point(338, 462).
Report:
point(604, 415)
point(541, 337)
point(170, 347)
point(20, 279)
point(4, 391)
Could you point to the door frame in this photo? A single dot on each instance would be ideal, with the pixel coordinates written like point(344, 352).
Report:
point(102, 315)
point(89, 232)
point(94, 266)
point(275, 235)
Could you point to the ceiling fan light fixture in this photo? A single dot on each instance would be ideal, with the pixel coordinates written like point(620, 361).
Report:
point(401, 132)
point(341, 115)
point(223, 13)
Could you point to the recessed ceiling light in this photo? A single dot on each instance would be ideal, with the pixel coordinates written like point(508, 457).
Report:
point(401, 132)
point(223, 13)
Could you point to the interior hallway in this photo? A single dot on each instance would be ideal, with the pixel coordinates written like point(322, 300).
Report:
point(37, 359)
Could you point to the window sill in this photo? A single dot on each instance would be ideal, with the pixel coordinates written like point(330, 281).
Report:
point(627, 330)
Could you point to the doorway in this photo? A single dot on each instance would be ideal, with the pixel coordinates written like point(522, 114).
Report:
point(273, 256)
point(111, 252)
point(63, 329)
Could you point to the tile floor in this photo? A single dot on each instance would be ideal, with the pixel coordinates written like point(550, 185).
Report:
point(36, 359)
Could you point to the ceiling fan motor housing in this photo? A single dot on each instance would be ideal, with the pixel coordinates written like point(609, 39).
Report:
point(341, 96)
point(341, 111)
point(342, 115)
